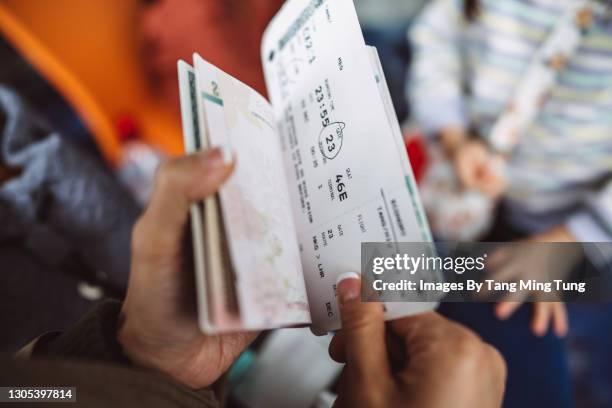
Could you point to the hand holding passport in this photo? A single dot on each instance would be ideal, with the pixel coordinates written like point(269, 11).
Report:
point(321, 168)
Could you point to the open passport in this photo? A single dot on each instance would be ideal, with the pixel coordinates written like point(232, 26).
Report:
point(320, 168)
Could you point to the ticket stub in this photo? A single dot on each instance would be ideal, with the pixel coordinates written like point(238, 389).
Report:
point(347, 170)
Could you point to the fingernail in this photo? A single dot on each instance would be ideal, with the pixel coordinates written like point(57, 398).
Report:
point(348, 287)
point(502, 312)
point(219, 155)
point(227, 154)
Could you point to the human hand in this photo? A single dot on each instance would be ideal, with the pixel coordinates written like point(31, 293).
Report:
point(545, 314)
point(424, 361)
point(527, 260)
point(478, 168)
point(160, 328)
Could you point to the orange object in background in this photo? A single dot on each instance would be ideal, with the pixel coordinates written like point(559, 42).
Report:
point(90, 51)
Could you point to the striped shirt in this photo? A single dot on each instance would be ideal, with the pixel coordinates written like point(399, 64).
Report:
point(464, 73)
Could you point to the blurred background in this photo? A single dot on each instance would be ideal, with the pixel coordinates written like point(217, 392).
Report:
point(89, 97)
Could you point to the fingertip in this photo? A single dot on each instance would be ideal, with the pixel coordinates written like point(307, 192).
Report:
point(347, 275)
point(227, 155)
point(348, 287)
point(501, 314)
point(560, 323)
point(503, 311)
point(217, 156)
point(538, 329)
point(539, 325)
point(561, 332)
point(215, 167)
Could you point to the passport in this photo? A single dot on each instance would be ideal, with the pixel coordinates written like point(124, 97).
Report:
point(320, 168)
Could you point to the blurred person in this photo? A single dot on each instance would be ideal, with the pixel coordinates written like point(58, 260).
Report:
point(150, 351)
point(225, 32)
point(470, 57)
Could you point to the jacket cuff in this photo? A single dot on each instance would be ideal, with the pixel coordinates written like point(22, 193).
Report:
point(94, 337)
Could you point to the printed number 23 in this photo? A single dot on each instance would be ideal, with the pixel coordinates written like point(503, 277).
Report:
point(330, 145)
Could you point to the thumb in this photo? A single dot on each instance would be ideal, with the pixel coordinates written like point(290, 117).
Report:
point(363, 331)
point(179, 183)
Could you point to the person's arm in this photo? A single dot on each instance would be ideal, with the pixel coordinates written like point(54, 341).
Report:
point(435, 88)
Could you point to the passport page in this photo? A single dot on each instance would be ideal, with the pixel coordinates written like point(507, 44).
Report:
point(255, 204)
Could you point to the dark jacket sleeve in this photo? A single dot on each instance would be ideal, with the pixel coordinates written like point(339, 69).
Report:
point(99, 385)
point(87, 356)
point(92, 338)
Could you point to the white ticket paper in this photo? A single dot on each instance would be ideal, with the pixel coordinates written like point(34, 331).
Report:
point(347, 170)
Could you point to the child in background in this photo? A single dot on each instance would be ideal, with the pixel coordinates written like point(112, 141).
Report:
point(469, 59)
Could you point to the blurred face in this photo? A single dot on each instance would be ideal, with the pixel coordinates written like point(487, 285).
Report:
point(227, 33)
point(174, 29)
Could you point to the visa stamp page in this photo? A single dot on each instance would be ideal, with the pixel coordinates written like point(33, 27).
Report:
point(348, 175)
point(256, 206)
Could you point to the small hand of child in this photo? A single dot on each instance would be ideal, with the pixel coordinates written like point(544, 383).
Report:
point(543, 314)
point(536, 260)
point(479, 169)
